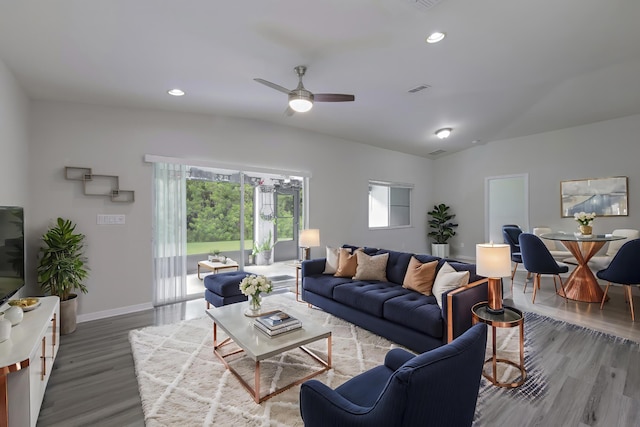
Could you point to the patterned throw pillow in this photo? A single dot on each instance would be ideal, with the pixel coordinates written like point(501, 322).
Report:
point(447, 279)
point(420, 276)
point(347, 263)
point(371, 267)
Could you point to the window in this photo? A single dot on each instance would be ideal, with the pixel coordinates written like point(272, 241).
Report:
point(389, 204)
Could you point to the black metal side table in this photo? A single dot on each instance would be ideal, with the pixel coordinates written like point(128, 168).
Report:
point(510, 318)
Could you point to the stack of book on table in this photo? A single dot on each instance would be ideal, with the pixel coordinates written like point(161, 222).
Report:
point(276, 323)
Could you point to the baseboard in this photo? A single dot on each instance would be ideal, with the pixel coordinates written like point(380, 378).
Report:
point(115, 312)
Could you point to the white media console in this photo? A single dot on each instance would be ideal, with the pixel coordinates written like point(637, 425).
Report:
point(26, 360)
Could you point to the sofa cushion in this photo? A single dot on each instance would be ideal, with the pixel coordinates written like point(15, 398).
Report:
point(347, 263)
point(323, 284)
point(331, 263)
point(368, 297)
point(420, 276)
point(371, 267)
point(397, 265)
point(367, 250)
point(417, 311)
point(463, 266)
point(447, 279)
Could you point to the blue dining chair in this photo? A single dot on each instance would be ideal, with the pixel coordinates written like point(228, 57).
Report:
point(510, 235)
point(538, 260)
point(623, 270)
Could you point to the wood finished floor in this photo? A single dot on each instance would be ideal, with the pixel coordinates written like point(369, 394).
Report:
point(93, 381)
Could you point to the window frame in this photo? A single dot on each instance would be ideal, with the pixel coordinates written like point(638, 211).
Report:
point(390, 186)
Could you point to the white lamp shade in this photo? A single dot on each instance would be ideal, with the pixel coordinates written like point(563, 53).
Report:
point(493, 260)
point(309, 238)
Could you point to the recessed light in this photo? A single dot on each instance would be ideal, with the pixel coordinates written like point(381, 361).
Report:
point(475, 141)
point(435, 37)
point(175, 92)
point(443, 133)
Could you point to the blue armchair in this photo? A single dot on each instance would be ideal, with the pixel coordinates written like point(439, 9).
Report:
point(436, 388)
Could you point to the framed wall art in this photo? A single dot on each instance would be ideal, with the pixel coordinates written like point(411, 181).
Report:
point(604, 196)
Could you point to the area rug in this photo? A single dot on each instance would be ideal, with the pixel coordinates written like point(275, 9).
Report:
point(182, 383)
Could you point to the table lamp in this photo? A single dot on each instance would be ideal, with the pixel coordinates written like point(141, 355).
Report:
point(308, 238)
point(494, 262)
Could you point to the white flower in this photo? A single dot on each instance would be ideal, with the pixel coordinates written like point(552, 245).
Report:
point(584, 218)
point(253, 285)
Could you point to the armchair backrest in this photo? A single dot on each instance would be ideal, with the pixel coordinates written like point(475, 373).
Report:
point(440, 387)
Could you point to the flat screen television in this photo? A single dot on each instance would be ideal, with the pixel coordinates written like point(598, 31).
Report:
point(11, 251)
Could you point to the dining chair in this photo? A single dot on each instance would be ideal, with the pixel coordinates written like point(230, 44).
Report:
point(557, 254)
point(623, 270)
point(510, 235)
point(600, 262)
point(538, 260)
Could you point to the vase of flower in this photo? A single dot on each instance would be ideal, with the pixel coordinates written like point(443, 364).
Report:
point(253, 286)
point(586, 230)
point(255, 303)
point(585, 221)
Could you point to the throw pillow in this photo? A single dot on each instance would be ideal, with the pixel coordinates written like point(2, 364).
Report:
point(420, 276)
point(447, 279)
point(331, 265)
point(371, 267)
point(347, 263)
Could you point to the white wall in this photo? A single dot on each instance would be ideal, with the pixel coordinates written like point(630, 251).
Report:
point(14, 168)
point(603, 149)
point(113, 141)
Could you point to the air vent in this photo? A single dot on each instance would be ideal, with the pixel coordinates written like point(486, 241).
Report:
point(424, 4)
point(437, 152)
point(418, 88)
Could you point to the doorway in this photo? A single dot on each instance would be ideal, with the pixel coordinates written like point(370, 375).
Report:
point(506, 202)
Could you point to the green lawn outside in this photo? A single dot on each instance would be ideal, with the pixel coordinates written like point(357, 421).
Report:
point(205, 247)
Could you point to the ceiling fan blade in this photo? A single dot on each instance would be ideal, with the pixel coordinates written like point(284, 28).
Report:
point(333, 97)
point(289, 112)
point(273, 86)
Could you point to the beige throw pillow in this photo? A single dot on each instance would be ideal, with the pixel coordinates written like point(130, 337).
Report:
point(420, 276)
point(347, 263)
point(331, 265)
point(447, 279)
point(371, 267)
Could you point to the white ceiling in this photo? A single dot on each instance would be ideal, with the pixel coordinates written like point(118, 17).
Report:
point(506, 68)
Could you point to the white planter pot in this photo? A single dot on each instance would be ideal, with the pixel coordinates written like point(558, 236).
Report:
point(440, 250)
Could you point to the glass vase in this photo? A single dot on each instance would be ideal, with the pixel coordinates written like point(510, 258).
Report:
point(255, 303)
point(586, 230)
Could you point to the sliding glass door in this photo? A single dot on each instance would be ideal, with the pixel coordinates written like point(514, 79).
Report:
point(252, 218)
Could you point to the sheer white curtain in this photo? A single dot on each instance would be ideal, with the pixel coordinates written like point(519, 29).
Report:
point(169, 233)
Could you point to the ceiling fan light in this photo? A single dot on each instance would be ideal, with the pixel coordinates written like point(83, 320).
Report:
point(300, 104)
point(435, 37)
point(443, 133)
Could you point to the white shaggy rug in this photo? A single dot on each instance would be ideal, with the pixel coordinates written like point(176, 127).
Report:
point(183, 383)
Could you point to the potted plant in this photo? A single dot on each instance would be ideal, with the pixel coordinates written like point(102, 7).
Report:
point(264, 250)
point(62, 270)
point(442, 229)
point(214, 255)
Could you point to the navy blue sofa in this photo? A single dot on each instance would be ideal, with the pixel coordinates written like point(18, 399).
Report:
point(387, 309)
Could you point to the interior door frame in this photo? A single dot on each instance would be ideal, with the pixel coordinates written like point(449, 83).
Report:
point(522, 221)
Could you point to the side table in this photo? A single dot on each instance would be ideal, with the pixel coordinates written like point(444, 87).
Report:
point(511, 318)
point(298, 267)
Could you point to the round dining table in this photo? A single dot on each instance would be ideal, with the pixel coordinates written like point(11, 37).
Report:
point(582, 285)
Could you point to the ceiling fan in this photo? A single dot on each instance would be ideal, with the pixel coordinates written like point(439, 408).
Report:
point(300, 99)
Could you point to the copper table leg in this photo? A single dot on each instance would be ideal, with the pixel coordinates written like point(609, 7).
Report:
point(582, 284)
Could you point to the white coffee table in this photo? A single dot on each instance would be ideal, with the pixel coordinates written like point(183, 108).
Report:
point(216, 266)
point(258, 346)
